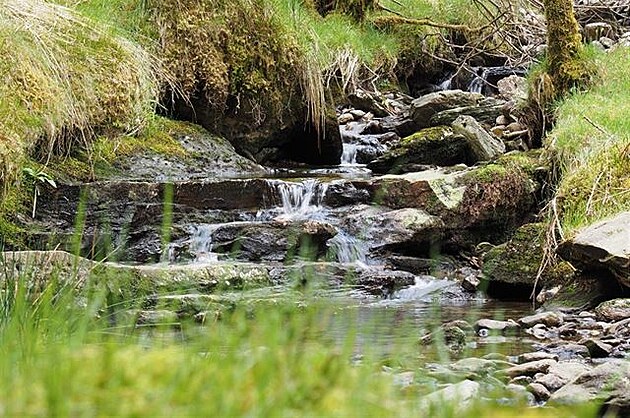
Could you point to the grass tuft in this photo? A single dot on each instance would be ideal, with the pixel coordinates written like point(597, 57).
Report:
point(64, 78)
point(591, 144)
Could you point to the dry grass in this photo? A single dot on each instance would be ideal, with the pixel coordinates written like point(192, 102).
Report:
point(63, 78)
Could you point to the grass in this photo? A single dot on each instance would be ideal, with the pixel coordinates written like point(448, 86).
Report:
point(63, 353)
point(591, 144)
point(65, 77)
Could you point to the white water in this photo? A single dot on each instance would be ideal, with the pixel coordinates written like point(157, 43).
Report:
point(348, 249)
point(201, 243)
point(478, 83)
point(302, 200)
point(349, 156)
point(422, 289)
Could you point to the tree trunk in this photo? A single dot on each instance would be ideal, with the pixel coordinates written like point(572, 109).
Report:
point(563, 46)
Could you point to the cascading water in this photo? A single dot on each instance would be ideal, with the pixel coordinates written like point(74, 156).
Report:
point(348, 249)
point(301, 200)
point(478, 83)
point(201, 243)
point(349, 156)
point(423, 289)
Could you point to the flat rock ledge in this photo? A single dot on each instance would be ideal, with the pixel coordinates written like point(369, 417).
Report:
point(604, 245)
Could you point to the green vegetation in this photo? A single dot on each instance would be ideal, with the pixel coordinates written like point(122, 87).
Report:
point(60, 357)
point(61, 86)
point(591, 144)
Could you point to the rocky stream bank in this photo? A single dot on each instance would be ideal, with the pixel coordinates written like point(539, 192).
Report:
point(435, 198)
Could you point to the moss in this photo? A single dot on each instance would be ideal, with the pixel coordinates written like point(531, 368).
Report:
point(209, 47)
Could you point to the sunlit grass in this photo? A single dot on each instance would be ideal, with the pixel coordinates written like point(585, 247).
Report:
point(591, 142)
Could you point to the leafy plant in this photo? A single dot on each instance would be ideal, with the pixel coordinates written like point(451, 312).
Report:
point(38, 178)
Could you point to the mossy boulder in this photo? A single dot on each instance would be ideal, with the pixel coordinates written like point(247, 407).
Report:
point(165, 150)
point(516, 265)
point(518, 260)
point(436, 146)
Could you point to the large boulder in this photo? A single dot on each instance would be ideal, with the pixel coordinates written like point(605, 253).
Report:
point(486, 112)
point(479, 204)
point(608, 383)
point(438, 146)
point(272, 241)
point(604, 245)
point(425, 107)
point(515, 264)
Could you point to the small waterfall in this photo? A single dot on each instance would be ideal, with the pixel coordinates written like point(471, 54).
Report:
point(348, 249)
point(479, 82)
point(201, 242)
point(301, 199)
point(422, 289)
point(446, 84)
point(349, 156)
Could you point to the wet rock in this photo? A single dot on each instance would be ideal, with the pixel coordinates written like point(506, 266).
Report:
point(425, 107)
point(539, 391)
point(608, 383)
point(531, 368)
point(451, 336)
point(536, 356)
point(461, 395)
point(549, 319)
point(272, 241)
point(345, 118)
point(485, 112)
point(551, 381)
point(598, 349)
point(566, 351)
point(436, 145)
point(483, 145)
point(345, 193)
point(504, 327)
point(370, 102)
point(614, 310)
point(471, 283)
point(604, 245)
point(384, 282)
